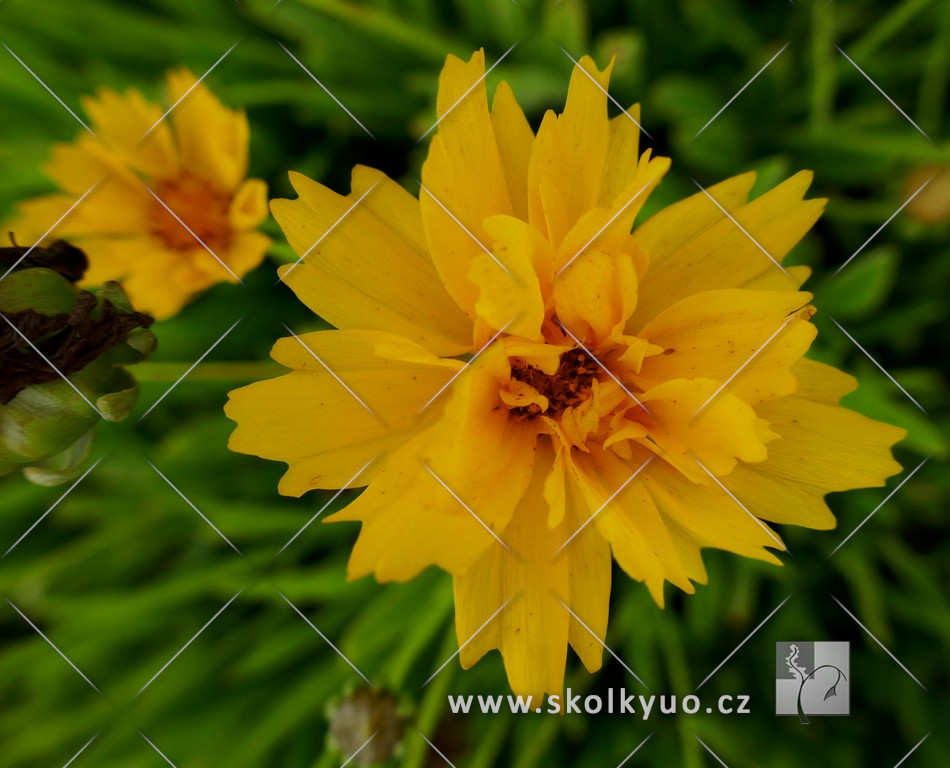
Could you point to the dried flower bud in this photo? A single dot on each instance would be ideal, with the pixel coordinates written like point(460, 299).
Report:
point(359, 716)
point(44, 422)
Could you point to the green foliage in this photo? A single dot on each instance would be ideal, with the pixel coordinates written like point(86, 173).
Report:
point(123, 572)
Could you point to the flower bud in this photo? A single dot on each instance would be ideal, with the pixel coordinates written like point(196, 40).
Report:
point(51, 329)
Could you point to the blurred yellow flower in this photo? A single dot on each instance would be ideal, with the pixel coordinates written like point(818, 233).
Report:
point(528, 389)
point(157, 179)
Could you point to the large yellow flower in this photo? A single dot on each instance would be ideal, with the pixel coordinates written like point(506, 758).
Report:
point(157, 179)
point(535, 389)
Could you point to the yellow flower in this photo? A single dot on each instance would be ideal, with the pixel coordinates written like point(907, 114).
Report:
point(156, 181)
point(597, 356)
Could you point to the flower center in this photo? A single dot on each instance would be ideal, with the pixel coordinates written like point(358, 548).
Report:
point(203, 209)
point(568, 386)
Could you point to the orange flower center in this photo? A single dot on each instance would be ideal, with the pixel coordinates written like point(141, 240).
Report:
point(193, 204)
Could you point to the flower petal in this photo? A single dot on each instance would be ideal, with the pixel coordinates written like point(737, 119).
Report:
point(827, 447)
point(463, 172)
point(372, 270)
point(393, 376)
point(703, 256)
point(121, 122)
point(727, 429)
point(533, 629)
point(514, 137)
point(715, 333)
point(570, 151)
point(474, 462)
point(212, 139)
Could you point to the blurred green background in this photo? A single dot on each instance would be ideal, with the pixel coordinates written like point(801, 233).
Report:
point(123, 572)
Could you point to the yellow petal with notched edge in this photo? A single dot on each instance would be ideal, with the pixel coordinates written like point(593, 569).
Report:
point(627, 517)
point(708, 514)
point(532, 631)
point(514, 137)
point(121, 123)
point(722, 255)
point(473, 460)
point(372, 270)
point(827, 447)
point(569, 153)
point(743, 335)
point(391, 375)
point(463, 179)
point(212, 139)
point(623, 156)
point(410, 522)
point(725, 431)
point(821, 382)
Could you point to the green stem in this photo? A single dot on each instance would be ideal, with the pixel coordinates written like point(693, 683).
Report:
point(824, 74)
point(238, 371)
point(886, 28)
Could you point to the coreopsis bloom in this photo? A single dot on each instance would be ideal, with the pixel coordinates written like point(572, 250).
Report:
point(173, 212)
point(528, 390)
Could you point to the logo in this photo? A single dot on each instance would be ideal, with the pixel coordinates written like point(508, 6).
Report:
point(811, 679)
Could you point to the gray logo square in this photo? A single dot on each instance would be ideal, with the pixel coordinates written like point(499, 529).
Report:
point(812, 679)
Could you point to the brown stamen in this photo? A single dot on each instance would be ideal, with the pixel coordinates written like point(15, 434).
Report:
point(569, 386)
point(203, 209)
